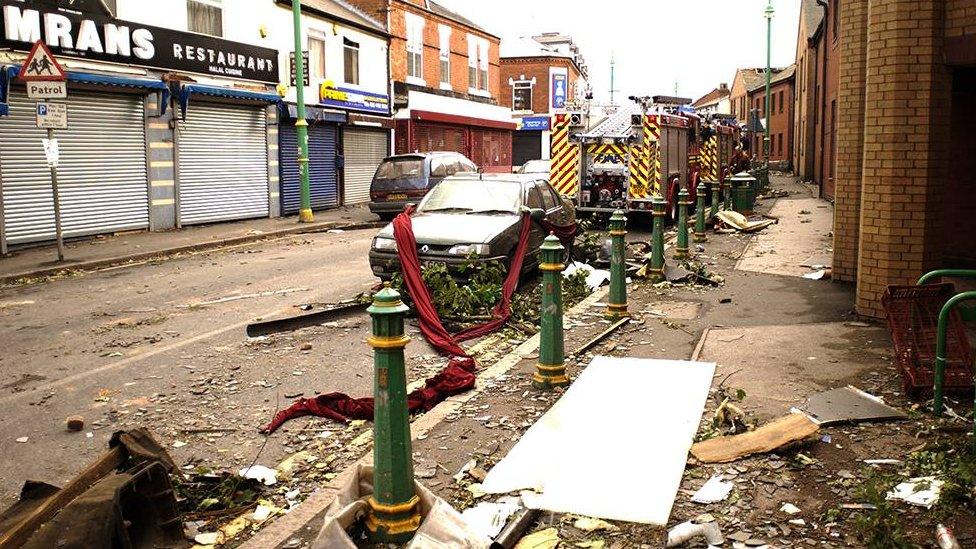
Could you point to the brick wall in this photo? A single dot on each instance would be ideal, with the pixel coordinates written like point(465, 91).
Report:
point(780, 120)
point(850, 138)
point(431, 58)
point(905, 146)
point(960, 18)
point(538, 68)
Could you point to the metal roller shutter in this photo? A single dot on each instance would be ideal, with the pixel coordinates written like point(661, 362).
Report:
point(223, 163)
point(101, 174)
point(322, 178)
point(363, 150)
point(526, 146)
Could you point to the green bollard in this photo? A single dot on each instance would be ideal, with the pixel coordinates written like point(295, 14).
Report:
point(617, 302)
point(394, 508)
point(656, 272)
point(551, 368)
point(700, 235)
point(681, 248)
point(716, 195)
point(727, 185)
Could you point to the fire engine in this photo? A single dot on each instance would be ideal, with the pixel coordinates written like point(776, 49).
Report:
point(640, 151)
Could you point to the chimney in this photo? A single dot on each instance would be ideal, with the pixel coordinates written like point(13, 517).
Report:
point(723, 86)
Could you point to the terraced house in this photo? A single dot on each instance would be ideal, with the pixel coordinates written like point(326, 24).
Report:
point(445, 72)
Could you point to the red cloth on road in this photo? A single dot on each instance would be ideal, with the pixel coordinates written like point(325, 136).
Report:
point(458, 376)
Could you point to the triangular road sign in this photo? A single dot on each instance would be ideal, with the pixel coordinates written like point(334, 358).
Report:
point(41, 65)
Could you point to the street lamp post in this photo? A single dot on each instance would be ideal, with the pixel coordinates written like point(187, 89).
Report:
point(769, 39)
point(301, 125)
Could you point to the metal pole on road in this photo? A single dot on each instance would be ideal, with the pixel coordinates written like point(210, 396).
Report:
point(551, 368)
point(57, 201)
point(617, 301)
point(767, 144)
point(301, 125)
point(700, 235)
point(394, 507)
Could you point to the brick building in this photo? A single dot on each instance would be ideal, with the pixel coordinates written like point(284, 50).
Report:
point(816, 82)
point(714, 102)
point(753, 100)
point(445, 72)
point(905, 162)
point(538, 80)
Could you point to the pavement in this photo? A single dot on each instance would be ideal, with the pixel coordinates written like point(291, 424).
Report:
point(32, 262)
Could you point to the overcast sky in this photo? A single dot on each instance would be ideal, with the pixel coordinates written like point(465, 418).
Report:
point(698, 43)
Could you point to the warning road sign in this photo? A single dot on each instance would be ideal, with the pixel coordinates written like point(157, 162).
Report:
point(41, 65)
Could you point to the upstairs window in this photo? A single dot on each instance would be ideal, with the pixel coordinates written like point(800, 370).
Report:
point(522, 96)
point(316, 58)
point(205, 17)
point(351, 57)
point(477, 63)
point(415, 46)
point(445, 54)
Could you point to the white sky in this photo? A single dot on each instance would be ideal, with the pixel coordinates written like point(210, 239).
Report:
point(698, 43)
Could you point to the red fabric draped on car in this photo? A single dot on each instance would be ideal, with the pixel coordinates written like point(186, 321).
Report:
point(459, 374)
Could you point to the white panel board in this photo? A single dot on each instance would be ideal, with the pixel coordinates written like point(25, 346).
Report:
point(615, 445)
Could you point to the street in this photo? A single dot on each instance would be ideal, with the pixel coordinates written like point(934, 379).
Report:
point(138, 346)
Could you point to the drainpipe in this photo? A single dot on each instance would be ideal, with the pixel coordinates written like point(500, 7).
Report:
point(823, 100)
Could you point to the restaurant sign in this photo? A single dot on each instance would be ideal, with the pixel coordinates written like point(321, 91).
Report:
point(97, 36)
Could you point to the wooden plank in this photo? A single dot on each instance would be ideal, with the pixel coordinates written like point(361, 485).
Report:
point(767, 438)
point(20, 533)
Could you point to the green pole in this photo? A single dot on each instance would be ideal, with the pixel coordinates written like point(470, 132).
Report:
point(394, 508)
point(940, 350)
point(716, 196)
point(551, 368)
point(681, 249)
point(617, 302)
point(301, 125)
point(700, 235)
point(727, 196)
point(656, 271)
point(769, 77)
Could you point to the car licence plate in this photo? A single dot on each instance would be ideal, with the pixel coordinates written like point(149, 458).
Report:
point(396, 196)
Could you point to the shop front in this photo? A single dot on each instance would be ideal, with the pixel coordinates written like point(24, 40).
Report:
point(165, 127)
point(480, 131)
point(531, 141)
point(323, 158)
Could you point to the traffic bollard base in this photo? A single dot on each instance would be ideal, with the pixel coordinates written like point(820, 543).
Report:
point(548, 376)
point(700, 237)
point(393, 523)
point(305, 216)
point(681, 253)
point(616, 311)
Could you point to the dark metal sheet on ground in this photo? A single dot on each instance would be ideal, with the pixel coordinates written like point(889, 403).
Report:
point(847, 404)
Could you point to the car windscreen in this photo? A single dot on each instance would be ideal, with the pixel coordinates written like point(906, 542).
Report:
point(399, 173)
point(473, 196)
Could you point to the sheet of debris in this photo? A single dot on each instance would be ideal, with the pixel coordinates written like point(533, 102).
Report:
point(610, 421)
point(847, 404)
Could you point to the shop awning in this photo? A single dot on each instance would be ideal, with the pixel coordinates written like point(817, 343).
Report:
point(10, 72)
point(229, 93)
point(318, 114)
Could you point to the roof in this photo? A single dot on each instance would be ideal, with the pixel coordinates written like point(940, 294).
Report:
point(523, 46)
point(812, 16)
point(454, 16)
point(617, 124)
point(713, 97)
point(341, 9)
point(756, 78)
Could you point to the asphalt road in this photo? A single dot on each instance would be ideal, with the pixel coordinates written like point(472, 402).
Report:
point(162, 345)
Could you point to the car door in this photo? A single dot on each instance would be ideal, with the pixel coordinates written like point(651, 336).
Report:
point(556, 211)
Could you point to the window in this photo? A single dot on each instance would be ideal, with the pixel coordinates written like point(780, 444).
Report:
point(780, 149)
point(350, 55)
point(205, 17)
point(781, 101)
point(110, 4)
point(477, 63)
point(549, 199)
point(534, 199)
point(445, 55)
point(522, 96)
point(316, 58)
point(772, 103)
point(415, 47)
